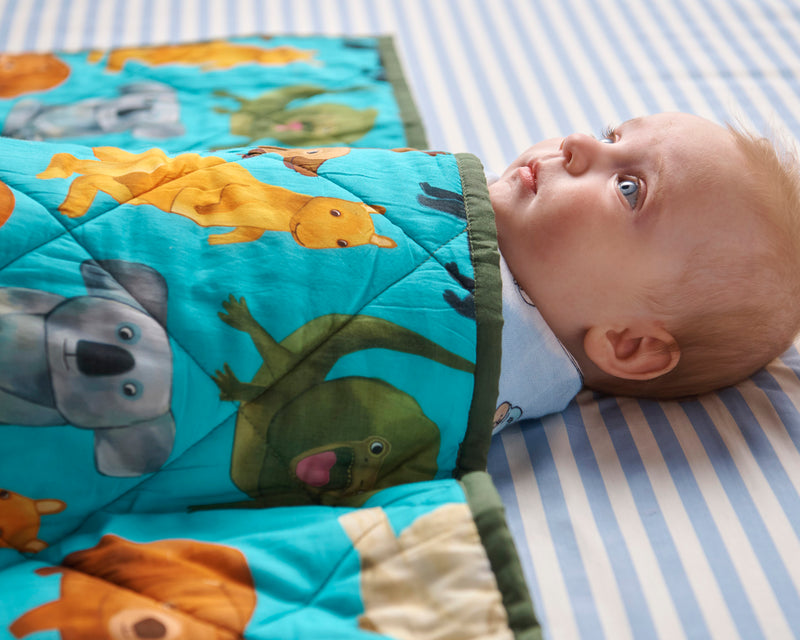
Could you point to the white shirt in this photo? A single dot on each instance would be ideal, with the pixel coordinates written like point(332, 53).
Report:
point(537, 374)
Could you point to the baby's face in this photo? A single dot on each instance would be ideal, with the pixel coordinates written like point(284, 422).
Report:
point(588, 225)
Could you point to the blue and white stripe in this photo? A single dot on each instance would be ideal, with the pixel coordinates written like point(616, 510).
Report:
point(634, 519)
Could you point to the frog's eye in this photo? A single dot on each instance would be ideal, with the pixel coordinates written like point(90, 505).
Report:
point(376, 447)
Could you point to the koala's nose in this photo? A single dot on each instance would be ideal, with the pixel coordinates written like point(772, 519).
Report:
point(100, 359)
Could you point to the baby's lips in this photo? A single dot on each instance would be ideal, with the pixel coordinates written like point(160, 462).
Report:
point(528, 176)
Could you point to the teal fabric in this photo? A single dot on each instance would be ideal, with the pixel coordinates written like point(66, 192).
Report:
point(258, 371)
point(278, 573)
point(187, 338)
point(282, 90)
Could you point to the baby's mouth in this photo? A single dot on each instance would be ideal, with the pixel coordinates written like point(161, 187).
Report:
point(527, 174)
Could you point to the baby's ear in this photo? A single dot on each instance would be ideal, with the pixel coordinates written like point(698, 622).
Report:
point(643, 352)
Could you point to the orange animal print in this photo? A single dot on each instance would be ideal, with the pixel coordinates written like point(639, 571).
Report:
point(308, 161)
point(210, 56)
point(213, 192)
point(26, 72)
point(304, 161)
point(176, 589)
point(6, 203)
point(20, 518)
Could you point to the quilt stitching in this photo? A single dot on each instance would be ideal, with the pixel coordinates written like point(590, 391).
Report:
point(440, 252)
point(431, 254)
point(69, 231)
point(359, 311)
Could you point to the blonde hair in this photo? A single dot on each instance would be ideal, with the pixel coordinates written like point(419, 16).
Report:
point(732, 313)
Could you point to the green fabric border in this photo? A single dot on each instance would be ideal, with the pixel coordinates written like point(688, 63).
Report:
point(412, 121)
point(488, 314)
point(489, 515)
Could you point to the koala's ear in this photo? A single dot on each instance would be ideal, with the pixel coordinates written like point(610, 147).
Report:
point(129, 282)
point(133, 450)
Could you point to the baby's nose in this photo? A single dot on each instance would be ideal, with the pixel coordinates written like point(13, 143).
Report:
point(579, 151)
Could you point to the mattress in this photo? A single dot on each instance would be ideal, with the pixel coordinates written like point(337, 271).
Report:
point(633, 519)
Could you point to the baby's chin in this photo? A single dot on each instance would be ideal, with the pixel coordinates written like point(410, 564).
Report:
point(501, 201)
point(505, 231)
point(509, 199)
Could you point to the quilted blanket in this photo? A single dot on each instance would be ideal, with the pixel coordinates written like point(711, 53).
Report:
point(423, 561)
point(185, 337)
point(282, 90)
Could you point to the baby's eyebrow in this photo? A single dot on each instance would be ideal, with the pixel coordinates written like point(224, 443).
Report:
point(633, 122)
point(654, 176)
point(656, 192)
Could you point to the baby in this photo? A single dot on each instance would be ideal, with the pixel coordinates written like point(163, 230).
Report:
point(664, 257)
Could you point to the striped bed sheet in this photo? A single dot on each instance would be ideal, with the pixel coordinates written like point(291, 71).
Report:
point(634, 519)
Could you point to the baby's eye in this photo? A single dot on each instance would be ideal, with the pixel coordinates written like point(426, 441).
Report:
point(629, 187)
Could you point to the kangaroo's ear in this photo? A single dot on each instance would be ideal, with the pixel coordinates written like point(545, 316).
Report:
point(641, 352)
point(383, 242)
point(48, 506)
point(6, 203)
point(378, 208)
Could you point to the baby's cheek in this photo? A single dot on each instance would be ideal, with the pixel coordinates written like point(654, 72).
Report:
point(553, 231)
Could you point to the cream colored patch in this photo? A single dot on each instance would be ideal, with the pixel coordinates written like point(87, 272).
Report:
point(433, 582)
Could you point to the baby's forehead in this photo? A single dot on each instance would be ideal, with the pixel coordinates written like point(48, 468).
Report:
point(696, 170)
point(691, 148)
point(687, 131)
point(671, 120)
